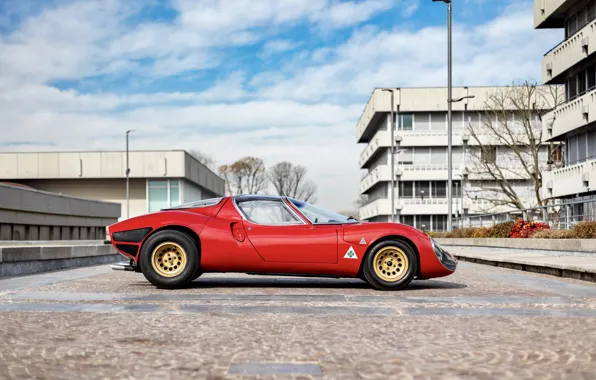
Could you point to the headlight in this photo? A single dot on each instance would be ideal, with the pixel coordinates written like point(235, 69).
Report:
point(444, 257)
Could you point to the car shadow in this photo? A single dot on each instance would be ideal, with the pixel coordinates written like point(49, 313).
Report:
point(293, 283)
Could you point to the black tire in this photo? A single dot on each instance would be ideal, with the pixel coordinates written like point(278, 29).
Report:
point(176, 238)
point(387, 255)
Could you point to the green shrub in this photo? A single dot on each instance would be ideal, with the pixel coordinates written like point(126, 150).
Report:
point(500, 230)
point(585, 230)
point(554, 234)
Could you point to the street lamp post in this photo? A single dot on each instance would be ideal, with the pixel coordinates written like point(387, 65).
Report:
point(392, 158)
point(450, 100)
point(127, 173)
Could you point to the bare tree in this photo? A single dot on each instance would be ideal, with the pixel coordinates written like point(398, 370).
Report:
point(361, 201)
point(203, 158)
point(507, 146)
point(245, 176)
point(290, 180)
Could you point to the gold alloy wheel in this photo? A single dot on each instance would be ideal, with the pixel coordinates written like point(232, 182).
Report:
point(391, 264)
point(168, 259)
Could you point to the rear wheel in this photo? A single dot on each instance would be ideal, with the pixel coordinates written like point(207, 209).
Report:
point(169, 259)
point(390, 265)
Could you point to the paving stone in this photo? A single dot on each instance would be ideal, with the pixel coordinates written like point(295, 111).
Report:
point(481, 323)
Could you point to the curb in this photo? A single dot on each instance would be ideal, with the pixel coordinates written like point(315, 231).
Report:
point(542, 269)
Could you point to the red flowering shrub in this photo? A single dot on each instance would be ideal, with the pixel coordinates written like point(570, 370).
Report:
point(525, 229)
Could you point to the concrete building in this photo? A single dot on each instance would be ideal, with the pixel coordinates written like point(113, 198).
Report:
point(421, 157)
point(28, 214)
point(158, 179)
point(571, 63)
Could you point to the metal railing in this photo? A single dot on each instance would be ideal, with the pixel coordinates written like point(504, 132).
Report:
point(558, 216)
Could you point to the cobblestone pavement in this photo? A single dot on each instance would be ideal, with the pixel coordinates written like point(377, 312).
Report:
point(480, 323)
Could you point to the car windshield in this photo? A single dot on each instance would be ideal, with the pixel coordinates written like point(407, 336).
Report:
point(319, 215)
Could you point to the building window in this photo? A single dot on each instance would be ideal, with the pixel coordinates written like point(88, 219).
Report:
point(424, 222)
point(456, 189)
point(439, 189)
point(438, 121)
point(581, 82)
point(591, 77)
point(580, 19)
point(423, 189)
point(406, 189)
point(162, 194)
point(439, 222)
point(408, 219)
point(572, 87)
point(488, 154)
point(406, 122)
point(174, 193)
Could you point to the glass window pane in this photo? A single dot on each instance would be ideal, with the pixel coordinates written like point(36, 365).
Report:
point(591, 11)
point(157, 195)
point(406, 189)
point(581, 18)
point(581, 82)
point(438, 121)
point(572, 87)
point(592, 144)
point(439, 222)
point(591, 77)
point(456, 191)
point(405, 156)
point(267, 212)
point(439, 189)
point(424, 222)
point(422, 189)
point(571, 144)
point(406, 122)
point(457, 120)
point(581, 147)
point(421, 122)
point(174, 193)
point(407, 219)
point(421, 155)
point(438, 155)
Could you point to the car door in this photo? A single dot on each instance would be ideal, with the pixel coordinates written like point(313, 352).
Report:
point(279, 235)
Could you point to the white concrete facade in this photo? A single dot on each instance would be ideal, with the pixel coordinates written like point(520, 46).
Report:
point(158, 179)
point(421, 160)
point(573, 64)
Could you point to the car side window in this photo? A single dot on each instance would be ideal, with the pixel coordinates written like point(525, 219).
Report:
point(267, 212)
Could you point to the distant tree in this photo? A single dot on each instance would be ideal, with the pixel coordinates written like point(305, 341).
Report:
point(290, 180)
point(361, 201)
point(511, 120)
point(203, 158)
point(245, 176)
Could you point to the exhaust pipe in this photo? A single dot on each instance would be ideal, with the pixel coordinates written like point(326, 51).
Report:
point(123, 265)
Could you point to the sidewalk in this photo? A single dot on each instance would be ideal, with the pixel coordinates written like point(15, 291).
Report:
point(580, 265)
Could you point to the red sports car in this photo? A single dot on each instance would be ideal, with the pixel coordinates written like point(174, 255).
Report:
point(263, 234)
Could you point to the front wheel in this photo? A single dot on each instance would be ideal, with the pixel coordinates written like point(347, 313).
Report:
point(169, 259)
point(390, 265)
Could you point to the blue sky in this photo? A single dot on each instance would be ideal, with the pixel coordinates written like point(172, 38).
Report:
point(277, 79)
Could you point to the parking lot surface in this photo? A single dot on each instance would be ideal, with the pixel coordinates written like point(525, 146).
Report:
point(482, 322)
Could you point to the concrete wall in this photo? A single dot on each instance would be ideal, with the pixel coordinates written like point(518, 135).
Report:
point(27, 214)
point(21, 260)
point(573, 245)
point(104, 189)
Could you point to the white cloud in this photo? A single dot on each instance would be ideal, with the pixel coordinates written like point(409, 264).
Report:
point(304, 111)
point(278, 46)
